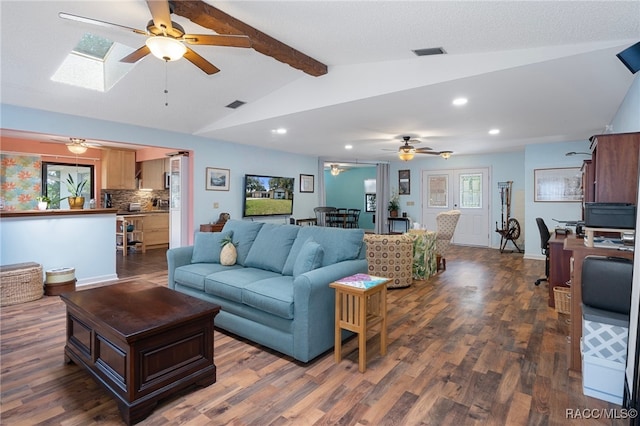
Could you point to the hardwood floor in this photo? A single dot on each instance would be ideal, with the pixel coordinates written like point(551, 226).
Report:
point(474, 345)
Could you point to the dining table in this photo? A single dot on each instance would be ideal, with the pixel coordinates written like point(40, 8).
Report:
point(340, 220)
point(424, 253)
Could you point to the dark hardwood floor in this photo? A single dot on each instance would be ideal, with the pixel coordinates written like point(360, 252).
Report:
point(474, 345)
point(138, 263)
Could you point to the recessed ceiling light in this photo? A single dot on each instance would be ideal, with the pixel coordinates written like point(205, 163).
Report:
point(279, 131)
point(494, 131)
point(460, 101)
point(348, 146)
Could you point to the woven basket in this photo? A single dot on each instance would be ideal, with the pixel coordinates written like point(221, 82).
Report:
point(562, 298)
point(21, 282)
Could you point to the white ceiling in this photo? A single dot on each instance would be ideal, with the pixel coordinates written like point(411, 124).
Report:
point(540, 71)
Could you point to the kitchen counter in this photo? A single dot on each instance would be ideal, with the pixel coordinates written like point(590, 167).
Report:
point(54, 212)
point(128, 213)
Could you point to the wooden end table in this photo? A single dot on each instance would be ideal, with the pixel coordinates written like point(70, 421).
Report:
point(141, 342)
point(360, 305)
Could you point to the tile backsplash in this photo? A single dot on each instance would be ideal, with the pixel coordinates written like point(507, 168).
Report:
point(122, 197)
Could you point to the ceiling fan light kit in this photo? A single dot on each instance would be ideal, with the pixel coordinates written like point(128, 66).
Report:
point(446, 154)
point(406, 153)
point(77, 146)
point(166, 48)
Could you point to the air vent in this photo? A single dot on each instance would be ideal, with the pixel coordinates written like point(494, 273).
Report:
point(430, 51)
point(235, 104)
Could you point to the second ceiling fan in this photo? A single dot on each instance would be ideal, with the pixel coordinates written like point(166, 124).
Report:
point(406, 151)
point(166, 39)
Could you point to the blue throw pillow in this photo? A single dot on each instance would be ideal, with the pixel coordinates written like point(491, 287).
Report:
point(206, 247)
point(309, 258)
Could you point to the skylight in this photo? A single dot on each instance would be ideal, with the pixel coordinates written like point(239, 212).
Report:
point(94, 64)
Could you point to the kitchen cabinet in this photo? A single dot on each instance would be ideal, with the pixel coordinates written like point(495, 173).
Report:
point(118, 169)
point(156, 230)
point(615, 167)
point(152, 172)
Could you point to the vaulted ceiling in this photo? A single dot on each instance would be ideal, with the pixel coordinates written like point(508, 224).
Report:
point(539, 71)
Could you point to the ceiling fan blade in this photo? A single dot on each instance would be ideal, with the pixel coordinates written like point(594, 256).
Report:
point(136, 55)
point(160, 14)
point(101, 23)
point(218, 40)
point(426, 150)
point(200, 62)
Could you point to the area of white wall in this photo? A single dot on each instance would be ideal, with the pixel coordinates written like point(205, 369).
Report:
point(239, 159)
point(627, 118)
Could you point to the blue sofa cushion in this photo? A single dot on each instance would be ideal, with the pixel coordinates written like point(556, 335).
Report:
point(273, 295)
point(193, 275)
point(244, 233)
point(230, 283)
point(339, 244)
point(272, 246)
point(206, 247)
point(309, 258)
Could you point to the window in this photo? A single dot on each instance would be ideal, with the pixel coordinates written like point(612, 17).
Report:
point(54, 182)
point(471, 191)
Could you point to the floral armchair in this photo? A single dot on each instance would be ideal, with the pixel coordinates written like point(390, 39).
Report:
point(446, 223)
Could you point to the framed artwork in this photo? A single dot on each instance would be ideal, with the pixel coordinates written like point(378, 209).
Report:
point(217, 179)
point(558, 185)
point(404, 182)
point(369, 203)
point(306, 183)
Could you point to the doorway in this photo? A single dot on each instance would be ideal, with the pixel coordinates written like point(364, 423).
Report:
point(466, 190)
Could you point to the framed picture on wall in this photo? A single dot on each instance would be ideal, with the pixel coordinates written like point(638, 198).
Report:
point(558, 185)
point(217, 179)
point(404, 182)
point(306, 183)
point(369, 203)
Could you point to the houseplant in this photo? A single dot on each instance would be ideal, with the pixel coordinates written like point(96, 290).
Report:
point(43, 202)
point(76, 200)
point(394, 205)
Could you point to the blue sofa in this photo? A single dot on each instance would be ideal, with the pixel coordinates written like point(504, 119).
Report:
point(277, 294)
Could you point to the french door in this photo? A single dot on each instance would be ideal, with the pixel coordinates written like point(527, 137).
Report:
point(466, 190)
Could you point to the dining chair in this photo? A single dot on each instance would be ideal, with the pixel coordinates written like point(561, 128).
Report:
point(321, 215)
point(353, 218)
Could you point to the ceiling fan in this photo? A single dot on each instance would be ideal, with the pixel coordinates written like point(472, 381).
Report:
point(76, 145)
point(406, 151)
point(166, 39)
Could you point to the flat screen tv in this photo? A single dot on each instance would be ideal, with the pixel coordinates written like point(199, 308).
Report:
point(267, 196)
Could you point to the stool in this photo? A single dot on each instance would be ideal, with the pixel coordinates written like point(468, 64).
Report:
point(358, 309)
point(20, 282)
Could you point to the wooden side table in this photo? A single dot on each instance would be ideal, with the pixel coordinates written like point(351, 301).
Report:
point(358, 309)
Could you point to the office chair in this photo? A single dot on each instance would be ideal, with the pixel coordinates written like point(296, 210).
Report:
point(544, 245)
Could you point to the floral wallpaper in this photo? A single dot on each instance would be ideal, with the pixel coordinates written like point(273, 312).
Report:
point(20, 181)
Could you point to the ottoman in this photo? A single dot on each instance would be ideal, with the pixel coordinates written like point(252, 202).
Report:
point(390, 256)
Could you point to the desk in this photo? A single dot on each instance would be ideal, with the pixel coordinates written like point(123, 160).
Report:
point(580, 251)
point(357, 310)
point(393, 220)
point(559, 265)
point(424, 253)
point(212, 227)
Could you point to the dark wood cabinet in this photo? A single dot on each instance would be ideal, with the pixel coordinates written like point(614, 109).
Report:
point(211, 227)
point(559, 265)
point(615, 167)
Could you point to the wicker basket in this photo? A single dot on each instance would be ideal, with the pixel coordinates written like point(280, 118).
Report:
point(562, 298)
point(21, 282)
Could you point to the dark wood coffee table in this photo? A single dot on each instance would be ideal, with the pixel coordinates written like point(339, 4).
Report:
point(141, 342)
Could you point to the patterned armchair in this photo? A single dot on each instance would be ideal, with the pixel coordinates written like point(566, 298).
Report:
point(446, 223)
point(390, 256)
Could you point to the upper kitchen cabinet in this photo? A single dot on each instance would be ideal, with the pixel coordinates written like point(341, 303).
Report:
point(615, 167)
point(153, 173)
point(118, 169)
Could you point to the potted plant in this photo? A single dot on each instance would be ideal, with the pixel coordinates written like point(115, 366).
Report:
point(394, 205)
point(43, 202)
point(76, 200)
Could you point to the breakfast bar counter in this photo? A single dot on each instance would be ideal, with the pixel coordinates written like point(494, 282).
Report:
point(81, 239)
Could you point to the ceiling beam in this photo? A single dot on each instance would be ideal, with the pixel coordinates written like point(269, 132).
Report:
point(208, 16)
